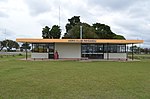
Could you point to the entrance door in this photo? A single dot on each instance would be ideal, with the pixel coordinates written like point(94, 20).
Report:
point(51, 51)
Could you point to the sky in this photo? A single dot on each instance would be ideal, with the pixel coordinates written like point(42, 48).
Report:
point(26, 18)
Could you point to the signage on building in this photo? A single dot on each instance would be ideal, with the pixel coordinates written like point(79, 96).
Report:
point(82, 41)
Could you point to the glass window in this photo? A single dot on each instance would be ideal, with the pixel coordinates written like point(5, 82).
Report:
point(100, 48)
point(121, 48)
point(92, 51)
point(43, 48)
point(115, 48)
point(92, 48)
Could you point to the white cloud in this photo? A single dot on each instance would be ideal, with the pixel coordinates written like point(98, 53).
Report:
point(3, 14)
point(26, 18)
point(37, 7)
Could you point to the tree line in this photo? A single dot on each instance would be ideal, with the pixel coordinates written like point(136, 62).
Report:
point(94, 31)
point(9, 45)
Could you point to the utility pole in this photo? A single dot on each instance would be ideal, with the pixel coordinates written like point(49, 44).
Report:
point(59, 15)
point(80, 32)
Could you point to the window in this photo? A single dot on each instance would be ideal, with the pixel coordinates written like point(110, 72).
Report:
point(121, 48)
point(92, 48)
point(115, 48)
point(42, 48)
point(92, 51)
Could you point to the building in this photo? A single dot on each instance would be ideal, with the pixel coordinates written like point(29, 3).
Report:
point(80, 48)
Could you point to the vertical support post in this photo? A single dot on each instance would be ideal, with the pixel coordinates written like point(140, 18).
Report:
point(103, 51)
point(132, 52)
point(81, 51)
point(107, 52)
point(32, 48)
point(26, 51)
point(126, 52)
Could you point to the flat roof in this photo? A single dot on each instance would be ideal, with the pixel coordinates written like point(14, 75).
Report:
point(110, 41)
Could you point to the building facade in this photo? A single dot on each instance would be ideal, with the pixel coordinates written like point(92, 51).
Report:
point(79, 48)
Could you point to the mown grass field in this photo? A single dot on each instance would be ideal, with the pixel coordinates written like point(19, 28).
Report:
point(73, 79)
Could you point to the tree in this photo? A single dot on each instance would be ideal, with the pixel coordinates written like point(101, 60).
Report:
point(135, 49)
point(88, 32)
point(53, 33)
point(104, 32)
point(73, 29)
point(46, 32)
point(119, 37)
point(9, 44)
point(72, 22)
point(1, 45)
point(96, 31)
point(25, 46)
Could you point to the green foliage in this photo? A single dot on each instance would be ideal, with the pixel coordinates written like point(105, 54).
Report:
point(1, 45)
point(55, 32)
point(103, 31)
point(72, 22)
point(25, 46)
point(96, 31)
point(9, 44)
point(46, 32)
point(88, 32)
point(119, 37)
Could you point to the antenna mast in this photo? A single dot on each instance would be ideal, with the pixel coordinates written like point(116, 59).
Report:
point(59, 12)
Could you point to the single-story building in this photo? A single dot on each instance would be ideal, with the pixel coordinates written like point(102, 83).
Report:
point(79, 48)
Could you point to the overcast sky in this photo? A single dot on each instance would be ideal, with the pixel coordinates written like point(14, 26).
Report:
point(26, 18)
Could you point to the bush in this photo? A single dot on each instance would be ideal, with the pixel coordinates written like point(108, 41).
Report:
point(20, 54)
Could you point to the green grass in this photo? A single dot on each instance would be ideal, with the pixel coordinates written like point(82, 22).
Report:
point(140, 56)
point(73, 79)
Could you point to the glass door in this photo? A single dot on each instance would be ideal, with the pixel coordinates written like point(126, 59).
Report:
point(51, 50)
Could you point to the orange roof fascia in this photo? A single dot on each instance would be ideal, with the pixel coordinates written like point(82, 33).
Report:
point(41, 40)
point(111, 41)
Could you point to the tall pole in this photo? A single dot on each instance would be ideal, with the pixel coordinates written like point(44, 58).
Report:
point(59, 12)
point(59, 15)
point(107, 52)
point(127, 51)
point(80, 32)
point(132, 52)
point(26, 51)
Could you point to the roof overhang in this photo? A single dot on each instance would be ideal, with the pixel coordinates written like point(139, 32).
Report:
point(109, 41)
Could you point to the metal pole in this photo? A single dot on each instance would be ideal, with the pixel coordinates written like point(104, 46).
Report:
point(132, 52)
point(107, 52)
point(127, 52)
point(26, 51)
point(80, 32)
point(59, 14)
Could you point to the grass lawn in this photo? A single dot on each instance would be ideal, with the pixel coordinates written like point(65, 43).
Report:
point(73, 79)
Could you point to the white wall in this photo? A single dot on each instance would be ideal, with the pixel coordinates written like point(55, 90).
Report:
point(69, 50)
point(39, 55)
point(115, 55)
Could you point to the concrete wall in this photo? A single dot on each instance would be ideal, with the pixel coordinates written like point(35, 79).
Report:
point(71, 50)
point(39, 55)
point(115, 55)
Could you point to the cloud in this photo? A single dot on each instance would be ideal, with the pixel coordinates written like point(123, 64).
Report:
point(6, 34)
point(3, 0)
point(113, 4)
point(127, 18)
point(3, 15)
point(37, 7)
